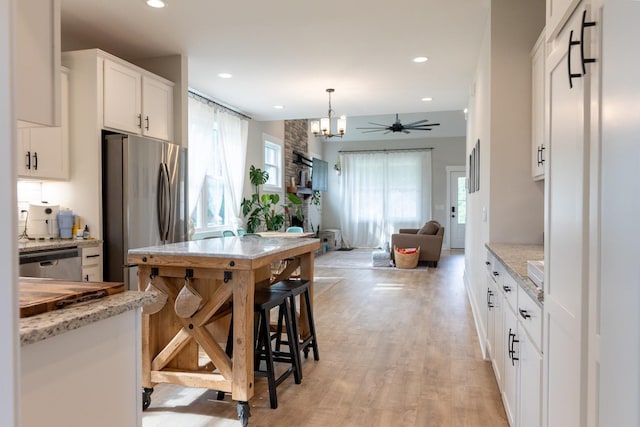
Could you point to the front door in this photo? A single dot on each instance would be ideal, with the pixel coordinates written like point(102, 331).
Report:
point(458, 208)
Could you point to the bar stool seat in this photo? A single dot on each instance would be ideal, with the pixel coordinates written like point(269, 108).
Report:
point(302, 288)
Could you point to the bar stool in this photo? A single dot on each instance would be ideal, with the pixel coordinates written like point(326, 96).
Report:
point(264, 301)
point(299, 287)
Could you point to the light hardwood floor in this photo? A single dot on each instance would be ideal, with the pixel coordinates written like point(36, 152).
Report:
point(397, 348)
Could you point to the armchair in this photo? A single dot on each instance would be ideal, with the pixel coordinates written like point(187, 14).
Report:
point(428, 238)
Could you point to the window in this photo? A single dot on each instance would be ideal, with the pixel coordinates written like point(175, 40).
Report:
point(217, 151)
point(273, 162)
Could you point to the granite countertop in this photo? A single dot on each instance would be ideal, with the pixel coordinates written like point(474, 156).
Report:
point(47, 325)
point(514, 257)
point(39, 245)
point(244, 247)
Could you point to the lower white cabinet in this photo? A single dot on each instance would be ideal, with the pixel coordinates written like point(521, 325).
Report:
point(514, 345)
point(92, 264)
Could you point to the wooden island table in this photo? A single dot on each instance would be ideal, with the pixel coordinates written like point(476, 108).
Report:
point(219, 270)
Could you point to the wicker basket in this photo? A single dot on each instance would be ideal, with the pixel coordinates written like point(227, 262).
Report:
point(406, 260)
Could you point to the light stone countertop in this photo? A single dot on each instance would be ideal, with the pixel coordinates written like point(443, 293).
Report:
point(40, 245)
point(46, 325)
point(514, 257)
point(244, 247)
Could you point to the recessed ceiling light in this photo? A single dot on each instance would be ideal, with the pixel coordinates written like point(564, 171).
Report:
point(157, 4)
point(420, 59)
point(427, 99)
point(279, 107)
point(225, 75)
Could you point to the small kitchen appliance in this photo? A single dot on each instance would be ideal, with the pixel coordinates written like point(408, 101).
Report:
point(42, 222)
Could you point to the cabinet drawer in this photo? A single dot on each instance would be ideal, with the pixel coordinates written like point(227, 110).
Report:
point(92, 255)
point(530, 316)
point(510, 289)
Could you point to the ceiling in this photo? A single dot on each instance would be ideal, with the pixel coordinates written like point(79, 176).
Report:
point(285, 52)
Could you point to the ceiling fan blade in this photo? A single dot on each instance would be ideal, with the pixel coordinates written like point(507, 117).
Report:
point(415, 123)
point(378, 124)
point(375, 130)
point(383, 127)
point(425, 126)
point(387, 132)
point(406, 131)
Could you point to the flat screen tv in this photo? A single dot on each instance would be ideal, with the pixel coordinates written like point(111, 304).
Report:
point(319, 174)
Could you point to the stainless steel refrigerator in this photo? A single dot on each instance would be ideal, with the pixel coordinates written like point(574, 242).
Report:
point(144, 199)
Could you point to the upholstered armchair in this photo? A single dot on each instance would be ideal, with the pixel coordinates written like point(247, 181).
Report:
point(428, 238)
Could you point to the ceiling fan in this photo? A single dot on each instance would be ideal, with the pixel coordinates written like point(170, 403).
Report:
point(399, 127)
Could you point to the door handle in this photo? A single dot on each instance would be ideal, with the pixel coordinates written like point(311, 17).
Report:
point(28, 159)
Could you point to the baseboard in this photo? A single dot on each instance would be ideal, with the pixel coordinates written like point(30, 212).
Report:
point(475, 311)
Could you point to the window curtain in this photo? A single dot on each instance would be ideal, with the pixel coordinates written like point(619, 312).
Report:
point(233, 132)
point(201, 147)
point(382, 192)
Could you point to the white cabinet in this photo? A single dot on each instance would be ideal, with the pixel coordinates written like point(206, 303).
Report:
point(92, 263)
point(43, 152)
point(538, 147)
point(136, 102)
point(567, 213)
point(511, 364)
point(37, 78)
point(514, 345)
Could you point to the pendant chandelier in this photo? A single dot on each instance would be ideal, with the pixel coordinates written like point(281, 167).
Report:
point(323, 126)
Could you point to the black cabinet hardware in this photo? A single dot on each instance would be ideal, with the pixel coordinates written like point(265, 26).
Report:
point(35, 161)
point(487, 262)
point(495, 273)
point(489, 295)
point(524, 313)
point(146, 119)
point(572, 76)
point(28, 159)
point(584, 25)
point(506, 288)
point(140, 121)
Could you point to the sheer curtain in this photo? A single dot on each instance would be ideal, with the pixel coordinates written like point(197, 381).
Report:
point(382, 192)
point(233, 138)
point(201, 147)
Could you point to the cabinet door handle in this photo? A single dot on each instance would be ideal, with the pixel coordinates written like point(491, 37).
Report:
point(487, 262)
point(572, 76)
point(495, 273)
point(146, 119)
point(538, 155)
point(489, 295)
point(506, 288)
point(35, 161)
point(28, 159)
point(509, 345)
point(524, 313)
point(583, 26)
point(86, 278)
point(542, 155)
point(140, 121)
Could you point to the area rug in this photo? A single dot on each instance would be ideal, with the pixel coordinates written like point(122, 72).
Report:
point(357, 258)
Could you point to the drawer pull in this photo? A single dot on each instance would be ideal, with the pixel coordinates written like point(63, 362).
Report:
point(524, 313)
point(506, 288)
point(495, 273)
point(487, 262)
point(92, 256)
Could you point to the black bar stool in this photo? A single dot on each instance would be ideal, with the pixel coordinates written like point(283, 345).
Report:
point(299, 287)
point(264, 301)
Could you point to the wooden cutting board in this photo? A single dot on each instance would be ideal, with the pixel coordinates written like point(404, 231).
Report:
point(42, 295)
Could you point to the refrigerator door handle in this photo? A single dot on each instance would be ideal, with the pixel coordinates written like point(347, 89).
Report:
point(167, 203)
point(160, 203)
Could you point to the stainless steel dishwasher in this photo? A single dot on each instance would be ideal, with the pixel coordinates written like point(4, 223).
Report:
point(64, 264)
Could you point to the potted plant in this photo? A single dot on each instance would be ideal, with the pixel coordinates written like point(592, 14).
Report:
point(262, 209)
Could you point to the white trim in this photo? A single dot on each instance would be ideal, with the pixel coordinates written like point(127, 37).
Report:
point(270, 139)
point(447, 227)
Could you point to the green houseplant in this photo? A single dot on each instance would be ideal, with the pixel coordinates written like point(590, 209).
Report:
point(262, 209)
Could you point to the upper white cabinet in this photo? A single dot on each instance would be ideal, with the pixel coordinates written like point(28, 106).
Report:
point(37, 57)
point(557, 13)
point(538, 148)
point(136, 102)
point(43, 152)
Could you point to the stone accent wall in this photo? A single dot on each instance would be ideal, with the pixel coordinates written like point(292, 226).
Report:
point(295, 139)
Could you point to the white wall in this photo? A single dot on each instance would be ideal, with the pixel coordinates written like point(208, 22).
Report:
point(446, 152)
point(9, 356)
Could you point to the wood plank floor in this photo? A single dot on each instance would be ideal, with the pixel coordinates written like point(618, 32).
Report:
point(397, 348)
